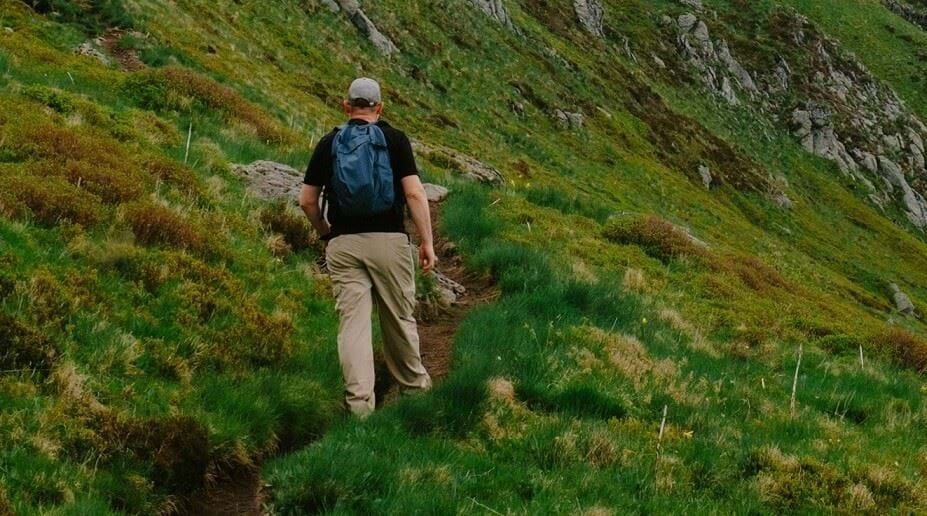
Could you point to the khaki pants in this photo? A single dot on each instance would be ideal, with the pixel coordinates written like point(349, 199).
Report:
point(367, 268)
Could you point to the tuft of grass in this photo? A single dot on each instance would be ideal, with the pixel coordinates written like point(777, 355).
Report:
point(904, 348)
point(279, 218)
point(154, 224)
point(180, 89)
point(48, 200)
point(657, 237)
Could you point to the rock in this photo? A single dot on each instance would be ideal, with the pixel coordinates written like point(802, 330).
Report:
point(435, 193)
point(695, 4)
point(367, 27)
point(915, 205)
point(907, 12)
point(705, 173)
point(782, 200)
point(271, 181)
point(687, 21)
point(659, 62)
point(449, 291)
point(469, 166)
point(591, 15)
point(496, 10)
point(902, 302)
point(92, 49)
point(8, 30)
point(332, 5)
point(570, 120)
point(735, 68)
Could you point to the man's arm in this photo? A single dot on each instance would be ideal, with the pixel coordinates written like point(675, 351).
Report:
point(309, 202)
point(421, 216)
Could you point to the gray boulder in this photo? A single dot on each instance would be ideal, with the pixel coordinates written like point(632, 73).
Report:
point(271, 181)
point(902, 302)
point(93, 50)
point(705, 173)
point(591, 15)
point(468, 166)
point(570, 120)
point(435, 193)
point(496, 10)
point(366, 27)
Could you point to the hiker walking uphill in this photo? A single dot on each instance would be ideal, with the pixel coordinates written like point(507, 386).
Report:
point(368, 173)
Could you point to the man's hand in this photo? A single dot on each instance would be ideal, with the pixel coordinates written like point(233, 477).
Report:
point(309, 202)
point(426, 257)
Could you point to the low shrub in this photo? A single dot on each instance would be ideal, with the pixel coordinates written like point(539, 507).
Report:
point(113, 185)
point(173, 173)
point(754, 272)
point(657, 237)
point(259, 337)
point(904, 348)
point(54, 98)
point(48, 200)
point(153, 224)
point(24, 347)
point(180, 89)
point(295, 229)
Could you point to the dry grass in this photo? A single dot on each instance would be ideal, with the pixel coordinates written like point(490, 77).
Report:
point(634, 280)
point(153, 224)
point(292, 227)
point(48, 200)
point(180, 89)
point(657, 237)
point(905, 348)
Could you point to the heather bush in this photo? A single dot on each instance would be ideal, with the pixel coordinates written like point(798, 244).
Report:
point(657, 237)
point(48, 200)
point(904, 348)
point(24, 347)
point(181, 89)
point(173, 173)
point(293, 227)
point(153, 224)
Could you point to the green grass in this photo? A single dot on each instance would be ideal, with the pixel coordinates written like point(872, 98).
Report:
point(159, 331)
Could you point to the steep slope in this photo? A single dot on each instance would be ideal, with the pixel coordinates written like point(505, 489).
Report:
point(704, 207)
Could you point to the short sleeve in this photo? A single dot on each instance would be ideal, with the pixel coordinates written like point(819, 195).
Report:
point(402, 157)
point(320, 164)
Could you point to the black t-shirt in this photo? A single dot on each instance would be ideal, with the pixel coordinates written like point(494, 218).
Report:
point(402, 161)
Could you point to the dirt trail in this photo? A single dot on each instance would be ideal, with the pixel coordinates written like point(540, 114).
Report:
point(241, 492)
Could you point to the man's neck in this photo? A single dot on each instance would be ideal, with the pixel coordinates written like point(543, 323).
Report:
point(370, 119)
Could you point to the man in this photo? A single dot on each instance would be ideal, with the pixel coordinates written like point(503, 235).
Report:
point(369, 253)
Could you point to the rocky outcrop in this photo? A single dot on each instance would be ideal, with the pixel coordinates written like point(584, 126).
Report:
point(363, 23)
point(705, 173)
point(496, 10)
point(718, 68)
point(591, 16)
point(435, 193)
point(569, 120)
point(915, 16)
point(468, 166)
point(843, 114)
point(902, 302)
point(93, 49)
point(271, 181)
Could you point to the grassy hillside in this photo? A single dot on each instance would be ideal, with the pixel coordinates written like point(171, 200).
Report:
point(155, 338)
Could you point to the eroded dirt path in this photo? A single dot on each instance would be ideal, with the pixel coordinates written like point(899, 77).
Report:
point(241, 492)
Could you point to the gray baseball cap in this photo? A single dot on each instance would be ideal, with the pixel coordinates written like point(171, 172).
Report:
point(364, 92)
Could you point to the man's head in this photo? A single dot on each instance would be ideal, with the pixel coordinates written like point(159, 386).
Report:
point(364, 99)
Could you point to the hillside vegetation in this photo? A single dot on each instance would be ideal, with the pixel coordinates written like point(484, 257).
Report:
point(704, 208)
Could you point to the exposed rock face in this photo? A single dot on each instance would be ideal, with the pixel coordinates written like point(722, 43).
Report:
point(272, 181)
point(449, 291)
point(435, 193)
point(705, 173)
point(591, 15)
point(846, 115)
point(902, 302)
point(570, 120)
point(92, 49)
point(496, 10)
point(907, 12)
point(366, 27)
point(469, 166)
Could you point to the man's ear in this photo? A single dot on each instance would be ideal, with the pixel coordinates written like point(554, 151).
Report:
point(379, 109)
point(346, 107)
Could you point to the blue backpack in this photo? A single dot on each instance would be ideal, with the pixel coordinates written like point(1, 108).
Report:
point(362, 179)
